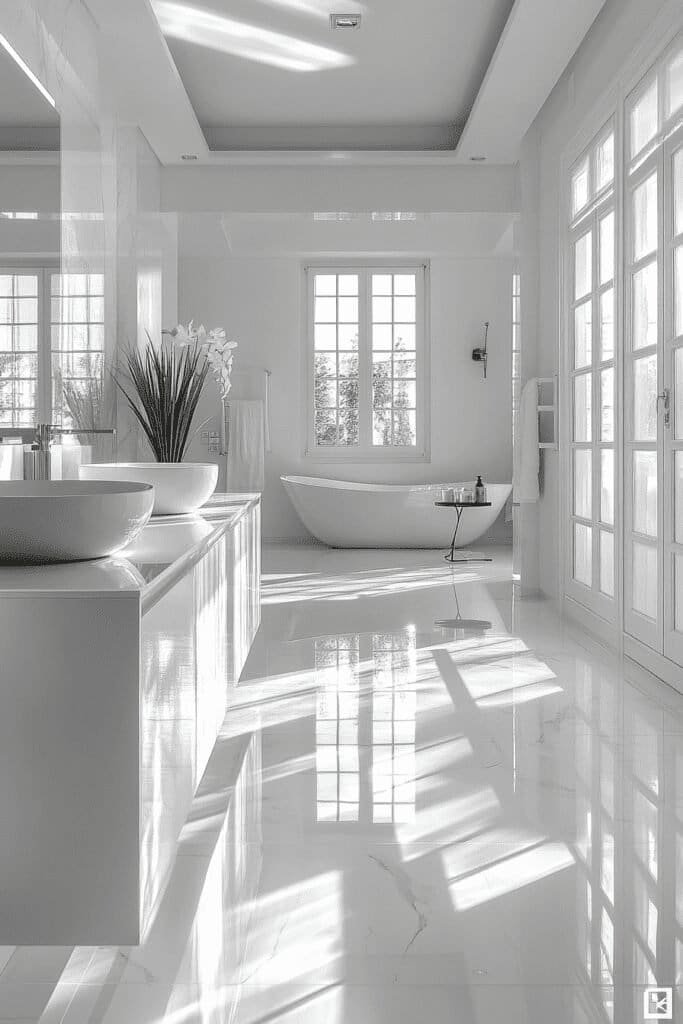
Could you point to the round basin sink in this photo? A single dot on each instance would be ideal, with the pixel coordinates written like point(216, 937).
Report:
point(69, 520)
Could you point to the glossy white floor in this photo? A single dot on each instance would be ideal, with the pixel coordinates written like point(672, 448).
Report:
point(442, 806)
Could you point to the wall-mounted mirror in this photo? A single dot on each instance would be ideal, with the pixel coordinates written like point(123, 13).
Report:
point(29, 244)
point(51, 322)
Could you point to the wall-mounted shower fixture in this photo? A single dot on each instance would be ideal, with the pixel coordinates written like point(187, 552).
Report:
point(480, 355)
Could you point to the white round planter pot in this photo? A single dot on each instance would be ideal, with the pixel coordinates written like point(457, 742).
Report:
point(179, 487)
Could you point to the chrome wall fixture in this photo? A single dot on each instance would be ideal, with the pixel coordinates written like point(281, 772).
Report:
point(37, 463)
point(480, 355)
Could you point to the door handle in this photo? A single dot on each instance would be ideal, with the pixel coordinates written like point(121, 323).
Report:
point(665, 398)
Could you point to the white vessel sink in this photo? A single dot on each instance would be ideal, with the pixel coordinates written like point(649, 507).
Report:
point(69, 520)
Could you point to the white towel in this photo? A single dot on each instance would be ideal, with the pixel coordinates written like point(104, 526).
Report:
point(11, 462)
point(246, 445)
point(527, 462)
point(268, 441)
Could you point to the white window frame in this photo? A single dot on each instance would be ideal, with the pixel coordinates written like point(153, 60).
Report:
point(44, 271)
point(365, 451)
point(43, 409)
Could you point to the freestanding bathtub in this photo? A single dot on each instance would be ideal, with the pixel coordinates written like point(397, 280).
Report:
point(351, 515)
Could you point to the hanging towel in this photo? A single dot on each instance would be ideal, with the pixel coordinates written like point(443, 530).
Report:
point(268, 444)
point(525, 484)
point(246, 445)
point(11, 462)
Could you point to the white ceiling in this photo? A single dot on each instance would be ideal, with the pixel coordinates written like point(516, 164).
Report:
point(392, 94)
point(273, 74)
point(539, 40)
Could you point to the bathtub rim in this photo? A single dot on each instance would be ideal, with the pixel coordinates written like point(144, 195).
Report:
point(346, 485)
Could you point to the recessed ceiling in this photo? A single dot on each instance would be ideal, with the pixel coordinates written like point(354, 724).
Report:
point(27, 120)
point(273, 74)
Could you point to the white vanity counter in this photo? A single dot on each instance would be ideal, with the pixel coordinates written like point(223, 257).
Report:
point(114, 677)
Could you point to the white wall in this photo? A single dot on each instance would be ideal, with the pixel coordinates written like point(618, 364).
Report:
point(273, 186)
point(621, 27)
point(32, 188)
point(258, 301)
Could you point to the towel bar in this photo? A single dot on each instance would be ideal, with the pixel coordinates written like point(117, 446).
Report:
point(545, 407)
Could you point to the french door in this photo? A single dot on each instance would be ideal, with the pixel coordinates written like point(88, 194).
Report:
point(653, 371)
point(623, 368)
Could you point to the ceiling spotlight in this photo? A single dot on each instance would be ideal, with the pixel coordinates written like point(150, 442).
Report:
point(345, 20)
point(189, 156)
point(477, 159)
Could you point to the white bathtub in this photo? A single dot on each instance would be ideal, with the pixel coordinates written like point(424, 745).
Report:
point(350, 515)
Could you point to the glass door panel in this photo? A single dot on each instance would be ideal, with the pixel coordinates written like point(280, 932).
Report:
point(607, 563)
point(607, 486)
point(583, 262)
point(645, 583)
point(583, 554)
point(583, 388)
point(645, 493)
point(607, 405)
point(607, 324)
point(645, 217)
point(583, 480)
point(645, 379)
point(644, 308)
point(583, 334)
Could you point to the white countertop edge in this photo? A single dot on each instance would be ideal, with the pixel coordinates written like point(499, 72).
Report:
point(161, 584)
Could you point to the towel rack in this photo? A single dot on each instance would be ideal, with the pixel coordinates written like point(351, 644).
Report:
point(545, 407)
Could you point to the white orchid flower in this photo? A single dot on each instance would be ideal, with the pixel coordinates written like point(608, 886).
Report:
point(218, 349)
point(181, 335)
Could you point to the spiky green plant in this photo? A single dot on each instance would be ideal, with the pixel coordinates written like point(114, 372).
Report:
point(167, 382)
point(84, 401)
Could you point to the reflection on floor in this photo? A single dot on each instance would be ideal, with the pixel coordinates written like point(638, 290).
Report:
point(430, 802)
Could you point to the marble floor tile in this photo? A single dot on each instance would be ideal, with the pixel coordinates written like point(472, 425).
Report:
point(430, 802)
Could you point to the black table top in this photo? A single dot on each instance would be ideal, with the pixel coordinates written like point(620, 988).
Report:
point(463, 504)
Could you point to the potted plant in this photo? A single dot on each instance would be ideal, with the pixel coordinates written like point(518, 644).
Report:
point(162, 386)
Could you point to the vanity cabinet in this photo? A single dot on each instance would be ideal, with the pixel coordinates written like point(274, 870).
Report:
point(114, 680)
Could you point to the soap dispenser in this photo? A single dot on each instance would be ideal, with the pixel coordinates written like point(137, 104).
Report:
point(480, 491)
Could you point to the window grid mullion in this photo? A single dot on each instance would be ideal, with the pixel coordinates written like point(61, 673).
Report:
point(45, 349)
point(364, 361)
point(336, 356)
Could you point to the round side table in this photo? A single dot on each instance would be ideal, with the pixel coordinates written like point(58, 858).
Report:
point(459, 507)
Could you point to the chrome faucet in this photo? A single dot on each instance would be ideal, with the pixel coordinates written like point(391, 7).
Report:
point(37, 463)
